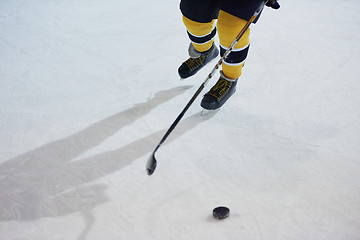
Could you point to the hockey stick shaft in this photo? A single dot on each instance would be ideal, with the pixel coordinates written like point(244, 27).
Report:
point(152, 163)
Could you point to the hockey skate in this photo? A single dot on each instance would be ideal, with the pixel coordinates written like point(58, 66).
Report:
point(196, 61)
point(219, 93)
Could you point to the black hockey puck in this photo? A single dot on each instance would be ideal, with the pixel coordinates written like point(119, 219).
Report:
point(221, 212)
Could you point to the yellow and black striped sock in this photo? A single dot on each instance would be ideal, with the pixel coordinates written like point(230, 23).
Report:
point(201, 34)
point(228, 28)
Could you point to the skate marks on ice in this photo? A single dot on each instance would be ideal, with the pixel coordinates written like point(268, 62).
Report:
point(46, 182)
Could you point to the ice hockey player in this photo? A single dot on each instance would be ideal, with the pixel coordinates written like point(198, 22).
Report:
point(199, 17)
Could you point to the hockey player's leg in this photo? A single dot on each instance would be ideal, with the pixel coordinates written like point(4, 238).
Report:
point(201, 49)
point(228, 27)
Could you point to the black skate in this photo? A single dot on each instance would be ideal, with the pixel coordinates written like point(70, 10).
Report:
point(196, 61)
point(219, 93)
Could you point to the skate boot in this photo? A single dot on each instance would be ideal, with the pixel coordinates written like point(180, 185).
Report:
point(219, 93)
point(196, 61)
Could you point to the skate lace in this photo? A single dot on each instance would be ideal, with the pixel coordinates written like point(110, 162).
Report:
point(194, 63)
point(220, 88)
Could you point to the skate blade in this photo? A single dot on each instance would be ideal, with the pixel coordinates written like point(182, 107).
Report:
point(205, 112)
point(184, 79)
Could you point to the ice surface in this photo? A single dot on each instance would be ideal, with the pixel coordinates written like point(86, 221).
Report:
point(88, 88)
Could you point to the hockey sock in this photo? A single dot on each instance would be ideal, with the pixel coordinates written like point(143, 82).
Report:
point(228, 27)
point(201, 34)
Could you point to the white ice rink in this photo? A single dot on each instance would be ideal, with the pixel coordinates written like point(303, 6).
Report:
point(88, 88)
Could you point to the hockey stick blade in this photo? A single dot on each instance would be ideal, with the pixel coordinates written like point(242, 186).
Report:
point(151, 164)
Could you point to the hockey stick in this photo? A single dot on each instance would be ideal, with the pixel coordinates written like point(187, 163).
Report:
point(151, 164)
